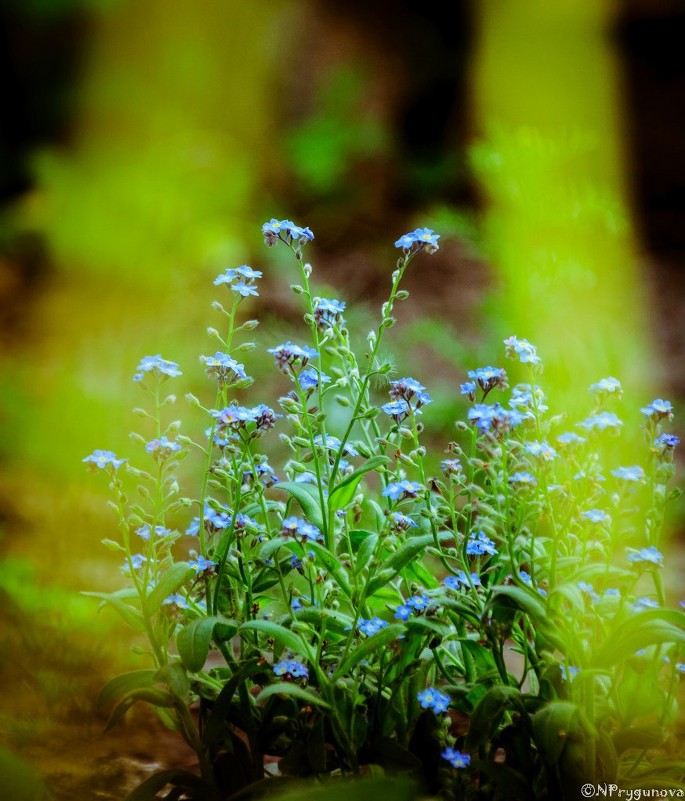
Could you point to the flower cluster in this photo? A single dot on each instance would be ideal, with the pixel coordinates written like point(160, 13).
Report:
point(158, 366)
point(240, 280)
point(288, 356)
point(417, 240)
point(276, 231)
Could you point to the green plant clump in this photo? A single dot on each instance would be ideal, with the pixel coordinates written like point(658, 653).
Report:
point(499, 630)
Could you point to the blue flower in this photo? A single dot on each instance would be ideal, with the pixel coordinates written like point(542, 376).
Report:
point(479, 543)
point(587, 589)
point(645, 603)
point(494, 418)
point(193, 529)
point(265, 475)
point(522, 350)
point(309, 379)
point(570, 438)
point(522, 478)
point(468, 388)
point(144, 532)
point(607, 386)
point(541, 450)
point(244, 290)
point(400, 490)
point(137, 561)
point(596, 516)
point(488, 378)
point(634, 474)
point(650, 556)
point(334, 444)
point(666, 442)
point(601, 421)
point(526, 400)
point(570, 674)
point(612, 592)
point(290, 355)
point(461, 580)
point(224, 367)
point(457, 759)
point(400, 522)
point(175, 600)
point(157, 366)
point(201, 564)
point(285, 231)
point(290, 668)
point(419, 602)
point(403, 612)
point(230, 275)
point(298, 528)
point(431, 698)
point(399, 410)
point(329, 313)
point(419, 239)
point(162, 448)
point(370, 627)
point(658, 410)
point(451, 467)
point(99, 460)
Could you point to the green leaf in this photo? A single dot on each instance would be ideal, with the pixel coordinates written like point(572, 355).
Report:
point(332, 564)
point(308, 497)
point(357, 537)
point(489, 711)
point(365, 552)
point(216, 723)
point(344, 492)
point(194, 639)
point(285, 637)
point(120, 686)
point(293, 691)
point(148, 790)
point(369, 646)
point(513, 597)
point(334, 620)
point(551, 727)
point(149, 695)
point(638, 632)
point(175, 677)
point(401, 557)
point(174, 578)
point(130, 614)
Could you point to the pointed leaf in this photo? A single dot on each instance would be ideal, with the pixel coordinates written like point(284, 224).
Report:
point(148, 790)
point(120, 686)
point(285, 637)
point(174, 578)
point(551, 727)
point(345, 490)
point(486, 717)
point(369, 646)
point(401, 557)
point(194, 639)
point(294, 691)
point(147, 694)
point(130, 614)
point(308, 497)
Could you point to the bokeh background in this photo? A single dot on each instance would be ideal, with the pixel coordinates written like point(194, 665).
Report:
point(143, 144)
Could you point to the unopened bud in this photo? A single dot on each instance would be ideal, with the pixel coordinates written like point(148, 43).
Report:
point(191, 399)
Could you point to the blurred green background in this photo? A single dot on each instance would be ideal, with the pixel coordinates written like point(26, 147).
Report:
point(144, 144)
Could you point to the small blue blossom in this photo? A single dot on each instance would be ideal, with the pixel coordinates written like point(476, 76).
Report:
point(243, 272)
point(175, 600)
point(570, 438)
point(601, 421)
point(296, 603)
point(334, 444)
point(99, 460)
point(419, 602)
point(370, 627)
point(399, 522)
point(419, 239)
point(289, 355)
point(650, 556)
point(587, 589)
point(145, 532)
point(451, 467)
point(522, 350)
point(596, 516)
point(607, 386)
point(494, 418)
point(162, 448)
point(431, 698)
point(193, 529)
point(300, 529)
point(461, 580)
point(488, 378)
point(612, 592)
point(201, 564)
point(658, 410)
point(245, 290)
point(479, 543)
point(157, 366)
point(527, 399)
point(468, 388)
point(265, 475)
point(285, 231)
point(329, 313)
point(541, 450)
point(522, 478)
point(634, 474)
point(309, 379)
point(403, 612)
point(400, 490)
point(666, 442)
point(399, 410)
point(645, 603)
point(137, 561)
point(526, 578)
point(457, 759)
point(570, 674)
point(680, 667)
point(224, 368)
point(290, 668)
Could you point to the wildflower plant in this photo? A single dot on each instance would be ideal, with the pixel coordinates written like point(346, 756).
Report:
point(500, 629)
